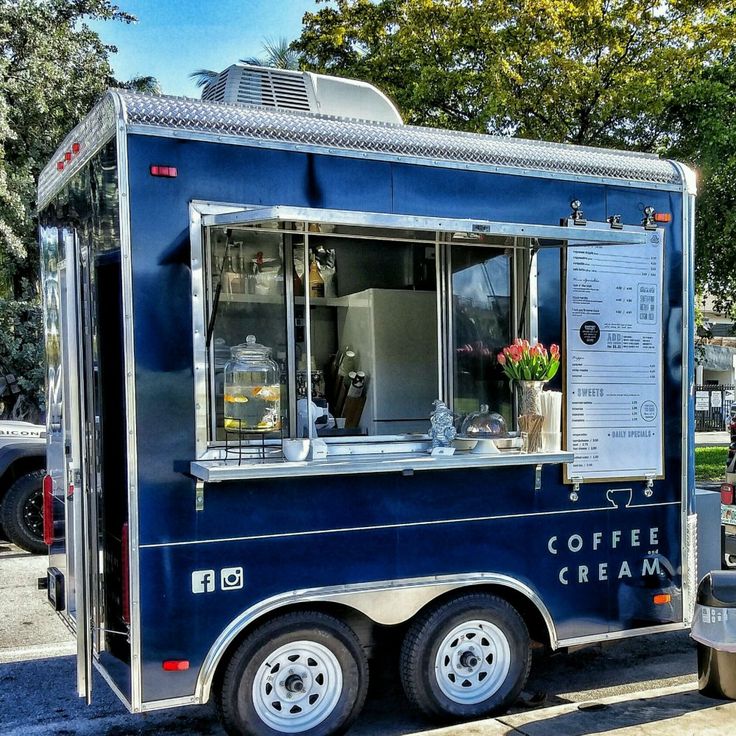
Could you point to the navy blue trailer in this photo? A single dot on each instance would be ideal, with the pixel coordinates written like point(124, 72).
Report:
point(193, 566)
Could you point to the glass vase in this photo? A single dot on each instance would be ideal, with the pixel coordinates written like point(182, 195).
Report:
point(530, 397)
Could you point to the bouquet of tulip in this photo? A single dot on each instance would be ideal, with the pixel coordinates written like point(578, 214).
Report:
point(524, 362)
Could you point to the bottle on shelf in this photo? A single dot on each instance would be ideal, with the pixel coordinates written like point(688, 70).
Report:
point(316, 282)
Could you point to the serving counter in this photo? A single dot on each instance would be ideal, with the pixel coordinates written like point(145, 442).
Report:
point(213, 471)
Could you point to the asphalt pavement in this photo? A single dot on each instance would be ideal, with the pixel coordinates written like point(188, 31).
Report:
point(646, 686)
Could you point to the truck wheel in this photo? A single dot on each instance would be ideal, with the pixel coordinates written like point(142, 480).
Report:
point(301, 673)
point(467, 658)
point(22, 512)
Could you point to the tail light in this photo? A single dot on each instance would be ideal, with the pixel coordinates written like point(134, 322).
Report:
point(124, 572)
point(48, 510)
point(727, 493)
point(175, 665)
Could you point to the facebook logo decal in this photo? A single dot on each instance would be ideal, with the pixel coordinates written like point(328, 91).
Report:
point(203, 581)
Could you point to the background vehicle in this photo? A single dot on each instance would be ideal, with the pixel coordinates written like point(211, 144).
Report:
point(22, 463)
point(728, 509)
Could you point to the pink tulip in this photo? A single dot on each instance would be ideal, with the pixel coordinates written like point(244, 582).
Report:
point(501, 358)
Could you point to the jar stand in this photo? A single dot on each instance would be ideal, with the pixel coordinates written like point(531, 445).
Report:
point(239, 441)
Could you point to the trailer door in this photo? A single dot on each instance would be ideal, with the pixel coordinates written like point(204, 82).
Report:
point(77, 352)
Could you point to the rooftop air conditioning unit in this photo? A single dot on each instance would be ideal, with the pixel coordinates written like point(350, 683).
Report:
point(282, 88)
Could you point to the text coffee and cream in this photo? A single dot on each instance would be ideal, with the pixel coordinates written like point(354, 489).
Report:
point(616, 539)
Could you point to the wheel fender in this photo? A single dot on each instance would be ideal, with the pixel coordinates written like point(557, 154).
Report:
point(14, 451)
point(385, 602)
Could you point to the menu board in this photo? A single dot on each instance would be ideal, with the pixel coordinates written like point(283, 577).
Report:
point(613, 360)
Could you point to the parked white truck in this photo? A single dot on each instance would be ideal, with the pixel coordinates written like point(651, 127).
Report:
point(22, 463)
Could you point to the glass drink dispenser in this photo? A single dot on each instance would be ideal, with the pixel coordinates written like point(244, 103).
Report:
point(252, 389)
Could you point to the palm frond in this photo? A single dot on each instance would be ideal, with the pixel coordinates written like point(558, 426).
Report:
point(146, 84)
point(203, 77)
point(277, 54)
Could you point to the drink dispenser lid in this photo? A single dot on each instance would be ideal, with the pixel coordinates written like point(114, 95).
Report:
point(250, 348)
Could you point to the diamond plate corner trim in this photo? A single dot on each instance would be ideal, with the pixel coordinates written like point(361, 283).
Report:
point(92, 133)
point(435, 145)
point(690, 580)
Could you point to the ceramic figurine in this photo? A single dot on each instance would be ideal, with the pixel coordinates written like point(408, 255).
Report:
point(442, 430)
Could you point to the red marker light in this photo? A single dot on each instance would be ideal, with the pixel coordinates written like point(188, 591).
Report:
point(175, 665)
point(76, 148)
point(48, 510)
point(60, 166)
point(662, 217)
point(662, 598)
point(68, 156)
point(169, 172)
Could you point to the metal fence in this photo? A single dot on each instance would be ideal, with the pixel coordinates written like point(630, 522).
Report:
point(713, 407)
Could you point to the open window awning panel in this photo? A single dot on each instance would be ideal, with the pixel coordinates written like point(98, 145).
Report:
point(423, 228)
point(715, 357)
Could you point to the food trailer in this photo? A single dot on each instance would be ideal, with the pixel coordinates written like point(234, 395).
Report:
point(250, 312)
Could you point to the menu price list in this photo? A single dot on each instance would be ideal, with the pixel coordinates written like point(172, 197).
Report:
point(614, 360)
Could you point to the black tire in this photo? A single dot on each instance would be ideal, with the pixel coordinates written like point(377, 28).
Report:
point(245, 703)
point(483, 668)
point(21, 512)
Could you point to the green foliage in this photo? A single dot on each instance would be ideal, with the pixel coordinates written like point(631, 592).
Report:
point(52, 69)
point(703, 120)
point(710, 463)
point(22, 354)
point(598, 72)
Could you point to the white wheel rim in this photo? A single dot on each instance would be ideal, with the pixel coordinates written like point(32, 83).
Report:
point(297, 686)
point(472, 662)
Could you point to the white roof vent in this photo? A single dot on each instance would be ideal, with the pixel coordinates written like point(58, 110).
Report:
point(293, 90)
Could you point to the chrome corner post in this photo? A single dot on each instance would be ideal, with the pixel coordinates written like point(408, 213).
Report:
point(199, 329)
point(532, 315)
point(126, 275)
point(689, 517)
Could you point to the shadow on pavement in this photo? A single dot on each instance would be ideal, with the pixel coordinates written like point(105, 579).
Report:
point(626, 665)
point(656, 712)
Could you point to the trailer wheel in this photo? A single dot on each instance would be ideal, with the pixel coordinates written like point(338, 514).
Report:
point(468, 658)
point(302, 673)
point(21, 512)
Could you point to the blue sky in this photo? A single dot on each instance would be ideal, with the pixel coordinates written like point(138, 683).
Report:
point(174, 37)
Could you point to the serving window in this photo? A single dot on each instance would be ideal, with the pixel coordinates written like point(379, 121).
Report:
point(359, 321)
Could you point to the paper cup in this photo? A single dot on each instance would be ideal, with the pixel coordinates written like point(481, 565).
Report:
point(551, 441)
point(295, 450)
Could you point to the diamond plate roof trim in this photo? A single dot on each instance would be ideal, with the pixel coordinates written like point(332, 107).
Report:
point(94, 131)
point(300, 128)
point(333, 134)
